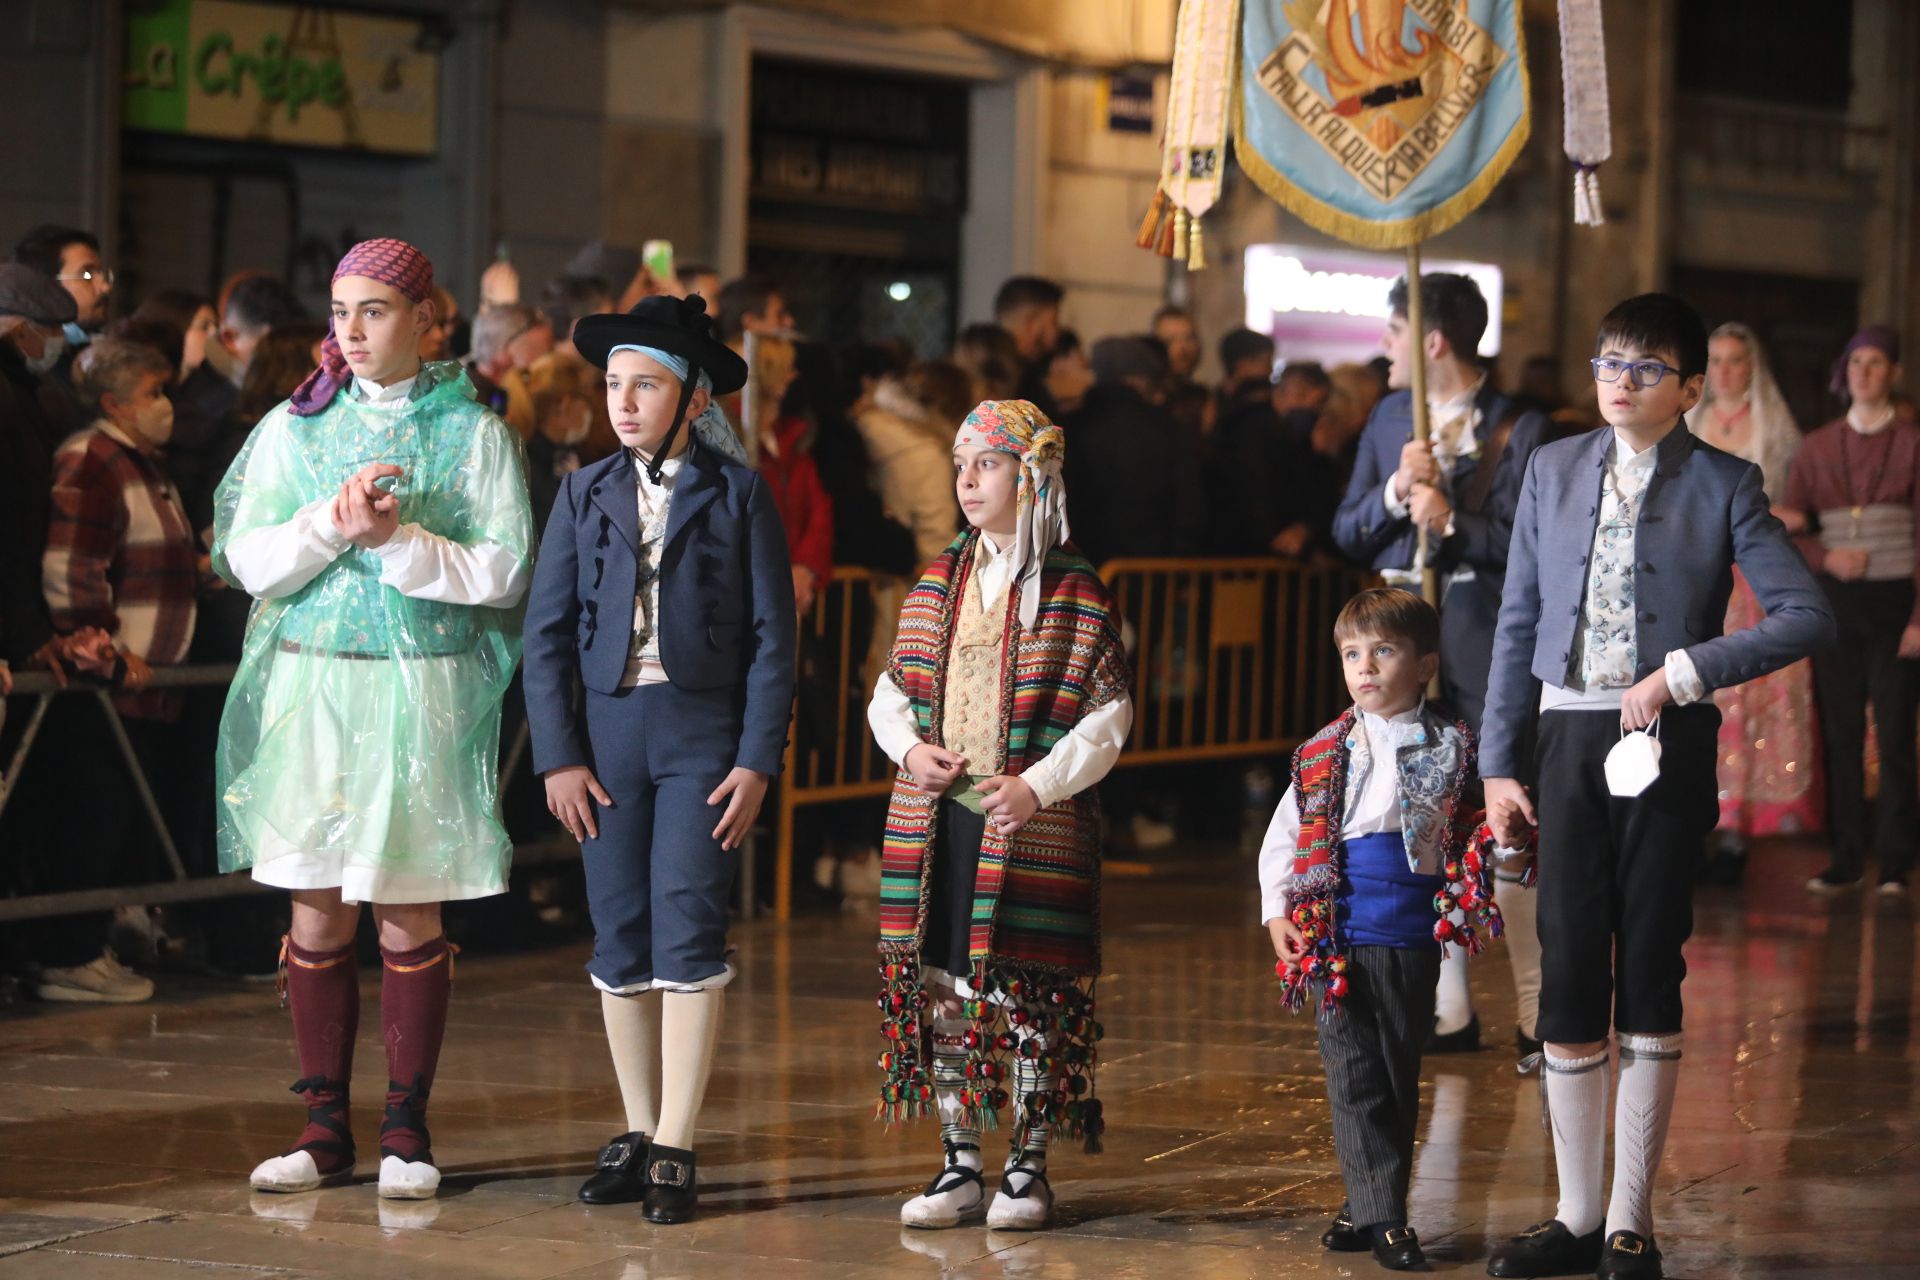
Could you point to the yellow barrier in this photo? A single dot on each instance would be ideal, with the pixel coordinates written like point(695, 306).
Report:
point(1231, 658)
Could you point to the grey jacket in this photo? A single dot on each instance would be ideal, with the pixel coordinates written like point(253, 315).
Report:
point(1705, 511)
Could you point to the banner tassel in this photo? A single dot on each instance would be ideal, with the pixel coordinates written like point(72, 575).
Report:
point(1150, 226)
point(1181, 225)
point(1196, 250)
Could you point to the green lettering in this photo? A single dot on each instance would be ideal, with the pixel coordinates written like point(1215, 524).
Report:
point(163, 67)
point(244, 65)
point(333, 83)
point(300, 86)
point(273, 70)
point(217, 43)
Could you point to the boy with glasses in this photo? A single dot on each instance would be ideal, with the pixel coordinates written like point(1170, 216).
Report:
point(1624, 544)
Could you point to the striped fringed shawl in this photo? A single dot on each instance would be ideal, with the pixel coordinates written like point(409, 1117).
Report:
point(1036, 932)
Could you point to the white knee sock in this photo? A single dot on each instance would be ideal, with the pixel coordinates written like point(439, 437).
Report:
point(1522, 939)
point(1452, 1001)
point(1649, 1074)
point(1577, 1103)
point(633, 1037)
point(689, 1029)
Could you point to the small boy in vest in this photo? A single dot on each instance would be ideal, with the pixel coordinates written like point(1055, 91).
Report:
point(1367, 871)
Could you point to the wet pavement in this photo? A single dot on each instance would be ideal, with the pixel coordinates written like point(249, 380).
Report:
point(126, 1133)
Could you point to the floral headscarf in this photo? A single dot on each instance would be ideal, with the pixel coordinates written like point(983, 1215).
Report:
point(1019, 428)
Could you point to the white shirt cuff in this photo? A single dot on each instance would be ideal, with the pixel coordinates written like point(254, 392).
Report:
point(890, 716)
point(1396, 507)
point(1273, 907)
point(1683, 682)
point(319, 515)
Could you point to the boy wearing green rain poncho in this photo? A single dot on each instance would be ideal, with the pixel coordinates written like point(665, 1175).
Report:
point(380, 518)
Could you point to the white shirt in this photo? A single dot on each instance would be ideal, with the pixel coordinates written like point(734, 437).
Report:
point(1080, 759)
point(1880, 422)
point(1628, 476)
point(279, 560)
point(643, 653)
point(1371, 798)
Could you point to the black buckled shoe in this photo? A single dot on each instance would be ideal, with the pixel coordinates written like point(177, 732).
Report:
point(1546, 1249)
point(1341, 1236)
point(1629, 1256)
point(1397, 1249)
point(1465, 1040)
point(620, 1173)
point(670, 1185)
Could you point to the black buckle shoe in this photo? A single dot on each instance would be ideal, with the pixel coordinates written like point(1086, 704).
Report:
point(620, 1174)
point(1341, 1236)
point(1397, 1249)
point(670, 1185)
point(1546, 1249)
point(1465, 1040)
point(1629, 1256)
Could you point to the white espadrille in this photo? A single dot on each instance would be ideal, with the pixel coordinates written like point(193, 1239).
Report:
point(1024, 1201)
point(957, 1194)
point(408, 1179)
point(292, 1172)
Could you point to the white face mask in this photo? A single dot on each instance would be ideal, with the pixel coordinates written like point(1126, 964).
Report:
point(49, 356)
point(154, 422)
point(1634, 763)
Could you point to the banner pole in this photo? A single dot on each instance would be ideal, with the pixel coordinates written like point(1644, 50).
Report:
point(1422, 428)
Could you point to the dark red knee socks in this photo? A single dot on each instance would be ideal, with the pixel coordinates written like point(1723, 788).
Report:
point(323, 994)
point(413, 1013)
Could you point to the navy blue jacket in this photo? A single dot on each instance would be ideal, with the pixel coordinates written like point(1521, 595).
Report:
point(1366, 533)
point(1705, 511)
point(726, 602)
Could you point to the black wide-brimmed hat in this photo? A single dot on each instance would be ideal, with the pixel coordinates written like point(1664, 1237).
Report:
point(680, 326)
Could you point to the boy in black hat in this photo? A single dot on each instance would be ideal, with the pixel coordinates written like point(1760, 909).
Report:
point(660, 767)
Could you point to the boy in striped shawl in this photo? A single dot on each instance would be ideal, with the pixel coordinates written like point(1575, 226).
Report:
point(1367, 871)
point(1004, 702)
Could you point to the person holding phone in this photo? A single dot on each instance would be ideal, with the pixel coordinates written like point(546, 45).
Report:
point(380, 519)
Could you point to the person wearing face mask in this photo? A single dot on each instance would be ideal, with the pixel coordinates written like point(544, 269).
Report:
point(120, 556)
point(32, 310)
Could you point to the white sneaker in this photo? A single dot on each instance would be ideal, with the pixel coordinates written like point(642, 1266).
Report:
point(957, 1194)
point(861, 879)
point(408, 1179)
point(1151, 833)
point(287, 1174)
point(101, 981)
point(1024, 1201)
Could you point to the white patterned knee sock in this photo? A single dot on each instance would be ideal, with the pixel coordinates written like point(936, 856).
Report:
point(1577, 1105)
point(1649, 1075)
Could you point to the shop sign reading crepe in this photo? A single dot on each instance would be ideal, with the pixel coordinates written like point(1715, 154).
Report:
point(302, 75)
point(1382, 122)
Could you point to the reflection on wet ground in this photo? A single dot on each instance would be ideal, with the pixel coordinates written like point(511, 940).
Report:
point(126, 1134)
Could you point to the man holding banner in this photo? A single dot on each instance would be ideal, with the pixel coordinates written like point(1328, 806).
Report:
point(1460, 485)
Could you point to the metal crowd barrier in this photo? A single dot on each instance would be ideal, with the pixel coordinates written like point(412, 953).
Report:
point(1232, 658)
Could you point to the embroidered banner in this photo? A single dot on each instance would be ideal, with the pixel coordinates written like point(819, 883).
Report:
point(1382, 122)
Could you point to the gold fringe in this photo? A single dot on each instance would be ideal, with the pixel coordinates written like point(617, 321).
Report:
point(1365, 232)
point(1150, 226)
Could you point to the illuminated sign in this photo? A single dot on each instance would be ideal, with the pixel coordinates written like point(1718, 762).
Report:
point(1328, 299)
point(306, 76)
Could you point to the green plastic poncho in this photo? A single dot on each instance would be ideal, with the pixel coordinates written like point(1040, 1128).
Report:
point(361, 735)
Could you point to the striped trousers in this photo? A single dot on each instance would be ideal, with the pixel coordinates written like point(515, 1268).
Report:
point(1370, 1046)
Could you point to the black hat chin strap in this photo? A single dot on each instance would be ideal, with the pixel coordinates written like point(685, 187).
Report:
point(659, 460)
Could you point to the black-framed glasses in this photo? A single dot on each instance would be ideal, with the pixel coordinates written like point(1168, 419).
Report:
point(92, 275)
point(1646, 373)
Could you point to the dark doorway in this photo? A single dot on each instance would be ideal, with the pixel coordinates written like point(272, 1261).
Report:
point(856, 195)
point(1803, 321)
